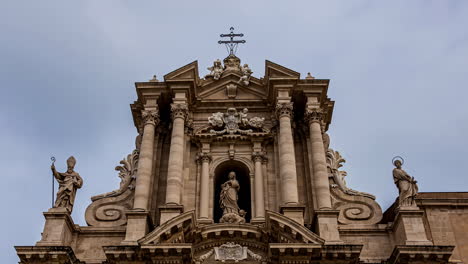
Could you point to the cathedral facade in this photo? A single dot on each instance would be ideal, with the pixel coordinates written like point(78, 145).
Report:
point(234, 168)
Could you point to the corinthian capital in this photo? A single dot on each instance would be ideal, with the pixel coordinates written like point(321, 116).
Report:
point(259, 156)
point(284, 109)
point(314, 115)
point(150, 117)
point(204, 157)
point(179, 110)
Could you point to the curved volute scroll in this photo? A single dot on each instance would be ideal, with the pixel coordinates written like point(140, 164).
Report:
point(355, 207)
point(108, 209)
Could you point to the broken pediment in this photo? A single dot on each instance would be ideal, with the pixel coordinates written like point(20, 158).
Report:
point(188, 72)
point(232, 90)
point(273, 71)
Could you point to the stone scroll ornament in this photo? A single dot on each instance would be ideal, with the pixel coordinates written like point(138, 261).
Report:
point(228, 201)
point(355, 207)
point(407, 185)
point(234, 122)
point(69, 182)
point(108, 209)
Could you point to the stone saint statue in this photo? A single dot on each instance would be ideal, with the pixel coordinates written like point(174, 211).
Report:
point(69, 182)
point(406, 184)
point(228, 201)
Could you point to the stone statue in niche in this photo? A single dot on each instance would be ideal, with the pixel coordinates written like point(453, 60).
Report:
point(246, 72)
point(216, 70)
point(407, 186)
point(69, 182)
point(228, 201)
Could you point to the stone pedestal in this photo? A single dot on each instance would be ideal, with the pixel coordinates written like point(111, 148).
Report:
point(58, 228)
point(138, 225)
point(295, 212)
point(326, 222)
point(409, 227)
point(168, 212)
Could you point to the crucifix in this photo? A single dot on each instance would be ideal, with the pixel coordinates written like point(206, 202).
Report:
point(231, 44)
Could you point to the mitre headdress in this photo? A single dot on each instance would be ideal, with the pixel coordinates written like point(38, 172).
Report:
point(71, 161)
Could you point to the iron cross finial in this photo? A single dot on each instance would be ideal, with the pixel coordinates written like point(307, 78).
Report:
point(231, 44)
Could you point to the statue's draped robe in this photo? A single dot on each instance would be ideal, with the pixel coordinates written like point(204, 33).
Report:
point(406, 186)
point(68, 183)
point(228, 197)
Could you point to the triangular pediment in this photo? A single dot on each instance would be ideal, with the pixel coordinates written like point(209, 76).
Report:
point(273, 70)
point(229, 87)
point(188, 72)
point(176, 230)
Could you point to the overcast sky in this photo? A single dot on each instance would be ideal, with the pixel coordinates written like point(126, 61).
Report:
point(398, 72)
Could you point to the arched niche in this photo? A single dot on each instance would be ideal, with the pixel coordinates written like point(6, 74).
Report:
point(220, 173)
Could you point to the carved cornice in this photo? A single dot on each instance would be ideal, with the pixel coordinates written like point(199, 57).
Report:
point(179, 110)
point(150, 117)
point(284, 109)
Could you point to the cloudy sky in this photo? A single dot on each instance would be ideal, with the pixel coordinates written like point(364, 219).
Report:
point(398, 73)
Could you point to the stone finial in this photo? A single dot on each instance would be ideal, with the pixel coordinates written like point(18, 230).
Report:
point(154, 79)
point(309, 76)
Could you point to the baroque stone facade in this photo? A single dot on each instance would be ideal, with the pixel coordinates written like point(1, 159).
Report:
point(234, 168)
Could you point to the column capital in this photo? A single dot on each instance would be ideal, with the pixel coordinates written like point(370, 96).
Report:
point(314, 115)
point(150, 117)
point(204, 157)
point(284, 109)
point(258, 156)
point(179, 110)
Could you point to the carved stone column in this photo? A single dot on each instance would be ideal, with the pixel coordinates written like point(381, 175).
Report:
point(145, 162)
point(138, 220)
point(204, 185)
point(319, 162)
point(176, 162)
point(258, 182)
point(287, 159)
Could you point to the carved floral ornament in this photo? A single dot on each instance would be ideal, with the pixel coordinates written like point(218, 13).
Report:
point(150, 117)
point(314, 115)
point(284, 109)
point(179, 110)
point(259, 156)
point(230, 251)
point(234, 122)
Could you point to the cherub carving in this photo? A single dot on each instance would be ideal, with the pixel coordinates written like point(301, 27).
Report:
point(246, 72)
point(216, 70)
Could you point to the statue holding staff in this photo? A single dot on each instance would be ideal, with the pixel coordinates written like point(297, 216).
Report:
point(69, 182)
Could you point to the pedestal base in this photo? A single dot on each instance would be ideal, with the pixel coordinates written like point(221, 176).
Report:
point(168, 212)
point(326, 222)
point(409, 227)
point(295, 212)
point(58, 228)
point(138, 225)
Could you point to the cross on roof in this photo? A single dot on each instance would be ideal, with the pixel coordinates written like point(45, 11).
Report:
point(231, 44)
